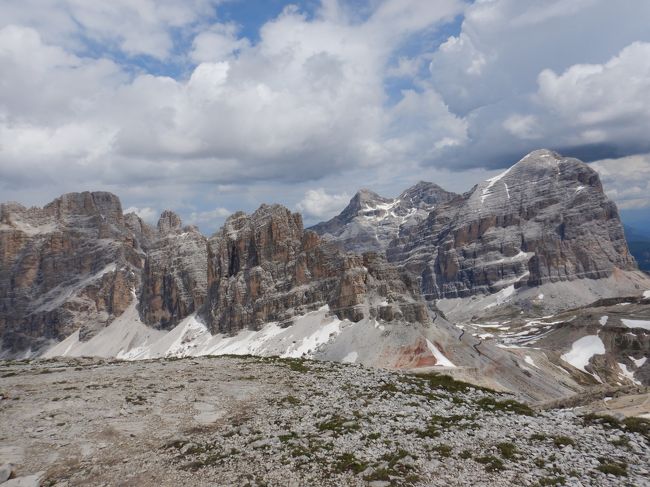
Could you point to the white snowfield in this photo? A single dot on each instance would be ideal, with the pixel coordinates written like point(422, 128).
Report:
point(628, 374)
point(441, 359)
point(582, 350)
point(636, 323)
point(529, 360)
point(318, 334)
point(638, 362)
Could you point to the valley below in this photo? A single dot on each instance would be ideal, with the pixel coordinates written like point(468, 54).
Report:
point(289, 422)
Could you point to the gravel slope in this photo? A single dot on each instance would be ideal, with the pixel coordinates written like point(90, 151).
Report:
point(265, 421)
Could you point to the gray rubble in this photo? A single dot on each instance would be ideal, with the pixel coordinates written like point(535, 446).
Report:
point(265, 421)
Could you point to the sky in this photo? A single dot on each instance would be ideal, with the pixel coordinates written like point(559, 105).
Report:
point(207, 107)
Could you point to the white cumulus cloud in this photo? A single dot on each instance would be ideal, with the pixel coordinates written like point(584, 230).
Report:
point(317, 204)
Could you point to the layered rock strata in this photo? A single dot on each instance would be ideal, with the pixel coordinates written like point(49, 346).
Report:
point(546, 219)
point(174, 282)
point(264, 268)
point(71, 264)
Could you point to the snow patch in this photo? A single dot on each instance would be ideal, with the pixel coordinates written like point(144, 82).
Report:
point(646, 294)
point(520, 256)
point(491, 182)
point(441, 360)
point(627, 373)
point(636, 323)
point(530, 361)
point(638, 362)
point(582, 350)
point(603, 320)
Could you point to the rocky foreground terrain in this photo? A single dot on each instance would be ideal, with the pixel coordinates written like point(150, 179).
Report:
point(266, 421)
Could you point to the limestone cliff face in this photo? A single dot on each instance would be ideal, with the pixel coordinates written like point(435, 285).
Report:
point(143, 233)
point(546, 219)
point(174, 282)
point(70, 265)
point(264, 268)
point(78, 263)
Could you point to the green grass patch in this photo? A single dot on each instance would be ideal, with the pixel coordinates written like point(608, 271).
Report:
point(632, 425)
point(339, 425)
point(491, 463)
point(544, 481)
point(439, 423)
point(611, 467)
point(561, 441)
point(288, 437)
point(293, 401)
point(507, 450)
point(508, 405)
point(446, 382)
point(443, 450)
point(347, 462)
point(393, 471)
point(389, 388)
point(296, 364)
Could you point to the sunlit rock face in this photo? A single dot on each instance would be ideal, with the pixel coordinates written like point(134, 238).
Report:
point(70, 265)
point(79, 262)
point(264, 267)
point(546, 219)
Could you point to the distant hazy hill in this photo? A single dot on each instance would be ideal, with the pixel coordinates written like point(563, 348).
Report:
point(639, 243)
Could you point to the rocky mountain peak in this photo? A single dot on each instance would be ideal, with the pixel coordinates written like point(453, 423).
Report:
point(365, 196)
point(370, 221)
point(142, 231)
point(544, 220)
point(363, 202)
point(65, 267)
point(169, 222)
point(424, 195)
point(541, 154)
point(106, 206)
point(539, 175)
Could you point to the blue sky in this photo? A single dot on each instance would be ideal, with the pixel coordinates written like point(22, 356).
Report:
point(211, 106)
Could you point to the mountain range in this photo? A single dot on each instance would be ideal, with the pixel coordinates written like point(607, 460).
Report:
point(462, 282)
